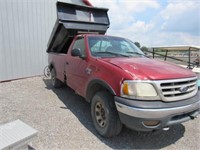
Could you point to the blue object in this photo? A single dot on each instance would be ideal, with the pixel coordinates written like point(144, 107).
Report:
point(199, 83)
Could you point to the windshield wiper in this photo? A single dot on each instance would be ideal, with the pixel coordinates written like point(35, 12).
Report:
point(137, 53)
point(116, 54)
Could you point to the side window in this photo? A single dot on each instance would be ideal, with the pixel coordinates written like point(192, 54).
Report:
point(79, 44)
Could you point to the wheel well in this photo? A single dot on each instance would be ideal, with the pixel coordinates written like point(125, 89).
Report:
point(50, 66)
point(96, 87)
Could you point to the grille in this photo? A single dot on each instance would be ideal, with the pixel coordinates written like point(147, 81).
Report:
point(174, 90)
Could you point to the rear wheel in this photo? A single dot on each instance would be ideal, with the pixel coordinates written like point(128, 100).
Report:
point(55, 82)
point(47, 72)
point(104, 114)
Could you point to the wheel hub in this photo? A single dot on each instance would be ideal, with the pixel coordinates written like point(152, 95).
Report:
point(100, 114)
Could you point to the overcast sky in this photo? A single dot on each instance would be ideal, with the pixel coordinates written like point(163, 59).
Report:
point(154, 22)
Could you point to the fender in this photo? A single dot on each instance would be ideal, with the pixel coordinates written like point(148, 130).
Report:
point(91, 90)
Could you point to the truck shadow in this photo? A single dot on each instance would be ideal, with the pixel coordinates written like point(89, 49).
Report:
point(127, 139)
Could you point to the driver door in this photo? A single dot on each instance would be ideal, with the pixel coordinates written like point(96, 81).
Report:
point(76, 67)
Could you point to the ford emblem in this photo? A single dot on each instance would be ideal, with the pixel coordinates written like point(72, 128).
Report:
point(183, 89)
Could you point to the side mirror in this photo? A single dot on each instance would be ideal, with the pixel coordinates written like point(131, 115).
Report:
point(76, 52)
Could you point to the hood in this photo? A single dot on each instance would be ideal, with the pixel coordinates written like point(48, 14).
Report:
point(150, 69)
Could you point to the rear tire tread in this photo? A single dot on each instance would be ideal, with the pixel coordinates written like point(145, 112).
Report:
point(55, 82)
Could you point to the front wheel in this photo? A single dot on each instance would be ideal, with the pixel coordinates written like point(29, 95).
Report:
point(104, 114)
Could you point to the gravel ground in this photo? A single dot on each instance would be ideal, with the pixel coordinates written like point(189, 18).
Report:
point(63, 120)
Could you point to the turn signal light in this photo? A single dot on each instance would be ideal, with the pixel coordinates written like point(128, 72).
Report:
point(125, 89)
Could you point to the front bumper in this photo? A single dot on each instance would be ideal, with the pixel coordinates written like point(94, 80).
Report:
point(135, 114)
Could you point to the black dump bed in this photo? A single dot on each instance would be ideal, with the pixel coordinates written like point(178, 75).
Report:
point(76, 19)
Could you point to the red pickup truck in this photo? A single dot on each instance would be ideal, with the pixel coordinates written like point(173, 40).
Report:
point(123, 86)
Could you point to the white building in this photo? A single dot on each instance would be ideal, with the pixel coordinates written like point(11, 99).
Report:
point(25, 28)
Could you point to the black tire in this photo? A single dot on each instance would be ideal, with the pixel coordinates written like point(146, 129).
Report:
point(54, 81)
point(104, 114)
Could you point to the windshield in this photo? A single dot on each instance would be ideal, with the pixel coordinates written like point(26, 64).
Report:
point(105, 46)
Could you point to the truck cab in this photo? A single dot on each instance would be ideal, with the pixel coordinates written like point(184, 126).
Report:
point(123, 86)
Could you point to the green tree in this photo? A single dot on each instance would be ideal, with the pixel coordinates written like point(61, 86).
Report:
point(144, 48)
point(137, 44)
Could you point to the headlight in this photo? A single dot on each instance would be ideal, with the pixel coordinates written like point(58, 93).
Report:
point(139, 90)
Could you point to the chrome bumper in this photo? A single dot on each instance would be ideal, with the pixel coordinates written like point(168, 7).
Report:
point(155, 113)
